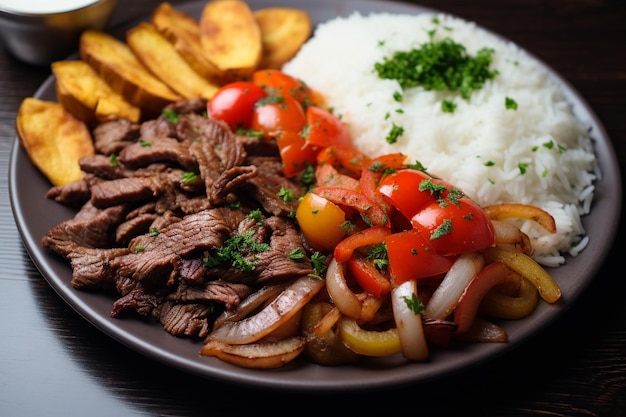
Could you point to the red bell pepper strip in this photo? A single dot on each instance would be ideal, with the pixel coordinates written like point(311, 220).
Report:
point(369, 277)
point(366, 237)
point(371, 212)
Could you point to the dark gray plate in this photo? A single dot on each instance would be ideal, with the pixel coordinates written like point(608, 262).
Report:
point(34, 215)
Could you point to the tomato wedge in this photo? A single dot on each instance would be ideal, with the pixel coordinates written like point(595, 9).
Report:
point(412, 257)
point(324, 129)
point(455, 227)
point(234, 104)
point(295, 153)
point(277, 114)
point(410, 190)
point(276, 82)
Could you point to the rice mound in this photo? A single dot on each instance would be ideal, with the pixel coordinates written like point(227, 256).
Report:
point(480, 146)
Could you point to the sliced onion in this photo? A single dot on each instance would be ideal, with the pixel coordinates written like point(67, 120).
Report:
point(408, 323)
point(249, 304)
point(327, 322)
point(447, 294)
point(343, 297)
point(272, 316)
point(525, 266)
point(494, 274)
point(508, 234)
point(262, 355)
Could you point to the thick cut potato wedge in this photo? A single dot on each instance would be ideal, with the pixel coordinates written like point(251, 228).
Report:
point(53, 139)
point(183, 31)
point(116, 63)
point(231, 37)
point(87, 96)
point(158, 54)
point(283, 31)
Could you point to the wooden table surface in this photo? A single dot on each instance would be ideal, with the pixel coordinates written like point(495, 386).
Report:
point(54, 363)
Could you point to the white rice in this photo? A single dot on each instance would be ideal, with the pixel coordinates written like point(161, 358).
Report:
point(339, 62)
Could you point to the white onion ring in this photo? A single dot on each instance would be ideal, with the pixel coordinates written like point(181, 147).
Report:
point(408, 323)
point(272, 316)
point(343, 297)
point(447, 294)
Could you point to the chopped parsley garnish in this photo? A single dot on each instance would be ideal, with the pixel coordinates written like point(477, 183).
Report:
point(188, 177)
point(510, 104)
point(145, 144)
point(286, 194)
point(233, 252)
point(319, 264)
point(443, 229)
point(296, 254)
point(154, 232)
point(113, 160)
point(414, 304)
point(448, 106)
point(256, 215)
point(378, 255)
point(395, 132)
point(523, 166)
point(439, 65)
point(171, 116)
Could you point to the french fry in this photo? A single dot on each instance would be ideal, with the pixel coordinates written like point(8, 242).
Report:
point(283, 31)
point(53, 139)
point(159, 55)
point(183, 31)
point(116, 63)
point(87, 96)
point(230, 37)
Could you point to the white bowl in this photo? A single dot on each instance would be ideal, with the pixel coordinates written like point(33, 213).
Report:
point(42, 31)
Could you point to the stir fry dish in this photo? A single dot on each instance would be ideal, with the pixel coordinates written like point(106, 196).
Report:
point(250, 223)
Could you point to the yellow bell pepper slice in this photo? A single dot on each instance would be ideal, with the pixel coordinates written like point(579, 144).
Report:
point(368, 342)
point(525, 266)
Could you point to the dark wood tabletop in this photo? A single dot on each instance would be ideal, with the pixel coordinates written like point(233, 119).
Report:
point(53, 362)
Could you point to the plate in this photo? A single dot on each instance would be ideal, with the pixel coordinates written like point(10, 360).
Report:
point(35, 215)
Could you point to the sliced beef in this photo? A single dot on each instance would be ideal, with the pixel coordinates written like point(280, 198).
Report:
point(112, 136)
point(84, 231)
point(227, 293)
point(145, 153)
point(91, 269)
point(189, 320)
point(74, 194)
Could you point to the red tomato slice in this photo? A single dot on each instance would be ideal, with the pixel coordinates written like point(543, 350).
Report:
point(455, 227)
point(368, 277)
point(234, 104)
point(295, 153)
point(324, 129)
point(412, 257)
point(343, 158)
point(375, 170)
point(278, 114)
point(366, 237)
point(410, 190)
point(277, 82)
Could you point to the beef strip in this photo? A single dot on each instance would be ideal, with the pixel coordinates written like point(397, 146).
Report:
point(112, 136)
